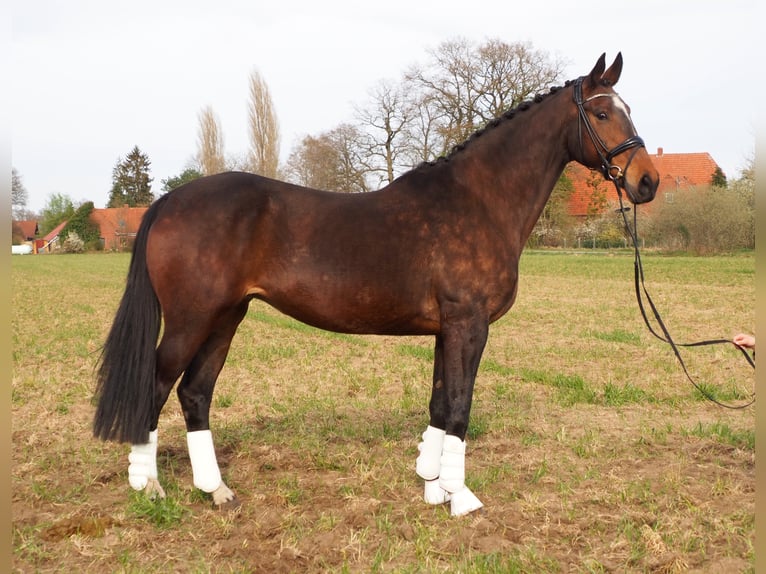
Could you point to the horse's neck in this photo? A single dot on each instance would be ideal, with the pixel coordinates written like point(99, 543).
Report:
point(520, 162)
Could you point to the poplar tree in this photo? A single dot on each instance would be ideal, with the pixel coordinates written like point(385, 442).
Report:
point(263, 157)
point(210, 156)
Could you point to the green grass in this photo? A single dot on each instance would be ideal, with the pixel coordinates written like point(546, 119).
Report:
point(586, 443)
point(163, 513)
point(722, 432)
point(616, 395)
point(618, 336)
point(417, 351)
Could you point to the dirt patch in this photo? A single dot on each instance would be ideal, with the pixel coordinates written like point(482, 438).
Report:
point(90, 526)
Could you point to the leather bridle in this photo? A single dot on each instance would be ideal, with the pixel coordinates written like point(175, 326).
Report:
point(613, 173)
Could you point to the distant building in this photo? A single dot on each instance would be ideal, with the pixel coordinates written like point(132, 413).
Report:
point(50, 242)
point(118, 225)
point(677, 171)
point(27, 229)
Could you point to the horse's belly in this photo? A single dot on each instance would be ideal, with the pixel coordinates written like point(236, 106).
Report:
point(359, 310)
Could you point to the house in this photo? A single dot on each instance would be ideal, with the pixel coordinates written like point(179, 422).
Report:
point(117, 228)
point(50, 242)
point(23, 234)
point(118, 225)
point(592, 194)
point(27, 230)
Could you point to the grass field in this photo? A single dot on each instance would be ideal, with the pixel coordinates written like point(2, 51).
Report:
point(588, 447)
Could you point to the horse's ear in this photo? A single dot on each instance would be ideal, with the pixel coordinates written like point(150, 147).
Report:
point(610, 77)
point(598, 70)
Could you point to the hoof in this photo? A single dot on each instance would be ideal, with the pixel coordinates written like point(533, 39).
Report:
point(464, 502)
point(233, 504)
point(153, 489)
point(225, 499)
point(435, 494)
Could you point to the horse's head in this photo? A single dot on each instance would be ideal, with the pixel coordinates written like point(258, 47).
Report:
point(606, 138)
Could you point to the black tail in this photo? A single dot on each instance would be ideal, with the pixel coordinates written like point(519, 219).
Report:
point(125, 379)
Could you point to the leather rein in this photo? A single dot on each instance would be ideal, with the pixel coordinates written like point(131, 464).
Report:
point(616, 175)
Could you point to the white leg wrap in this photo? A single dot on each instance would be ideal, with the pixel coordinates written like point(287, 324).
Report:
point(429, 460)
point(464, 501)
point(452, 475)
point(143, 462)
point(207, 475)
point(452, 478)
point(435, 494)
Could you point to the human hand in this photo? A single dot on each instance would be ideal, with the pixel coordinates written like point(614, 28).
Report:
point(743, 340)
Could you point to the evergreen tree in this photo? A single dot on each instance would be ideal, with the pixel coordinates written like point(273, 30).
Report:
point(719, 178)
point(131, 183)
point(187, 175)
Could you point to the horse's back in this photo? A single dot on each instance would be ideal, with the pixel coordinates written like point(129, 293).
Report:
point(343, 262)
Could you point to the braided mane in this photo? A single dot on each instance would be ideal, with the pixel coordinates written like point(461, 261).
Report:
point(492, 124)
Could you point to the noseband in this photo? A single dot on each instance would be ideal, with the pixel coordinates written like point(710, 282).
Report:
point(613, 173)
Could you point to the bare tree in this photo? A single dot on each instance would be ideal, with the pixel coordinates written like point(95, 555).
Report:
point(387, 121)
point(451, 80)
point(19, 195)
point(264, 129)
point(510, 74)
point(433, 109)
point(332, 161)
point(464, 86)
point(424, 133)
point(210, 156)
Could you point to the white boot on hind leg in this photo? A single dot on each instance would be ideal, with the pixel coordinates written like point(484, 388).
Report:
point(207, 475)
point(452, 477)
point(205, 471)
point(142, 470)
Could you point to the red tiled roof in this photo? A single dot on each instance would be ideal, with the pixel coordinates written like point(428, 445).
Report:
point(117, 222)
point(54, 232)
point(677, 171)
point(28, 228)
point(683, 170)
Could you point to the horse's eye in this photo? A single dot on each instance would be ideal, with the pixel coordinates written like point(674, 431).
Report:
point(601, 115)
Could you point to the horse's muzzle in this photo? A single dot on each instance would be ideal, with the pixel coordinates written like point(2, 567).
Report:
point(646, 188)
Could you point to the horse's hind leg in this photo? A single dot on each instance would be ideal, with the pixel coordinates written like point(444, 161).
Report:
point(195, 393)
point(174, 353)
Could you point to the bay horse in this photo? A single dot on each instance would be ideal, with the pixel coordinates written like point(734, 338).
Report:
point(435, 252)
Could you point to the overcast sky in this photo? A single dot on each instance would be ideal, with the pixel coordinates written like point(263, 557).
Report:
point(92, 79)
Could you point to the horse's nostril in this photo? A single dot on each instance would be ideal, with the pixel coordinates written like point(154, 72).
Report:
point(648, 187)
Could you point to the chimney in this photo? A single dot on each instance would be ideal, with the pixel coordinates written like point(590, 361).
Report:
point(659, 152)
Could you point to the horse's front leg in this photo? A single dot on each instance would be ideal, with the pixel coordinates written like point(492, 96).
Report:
point(441, 462)
point(428, 463)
